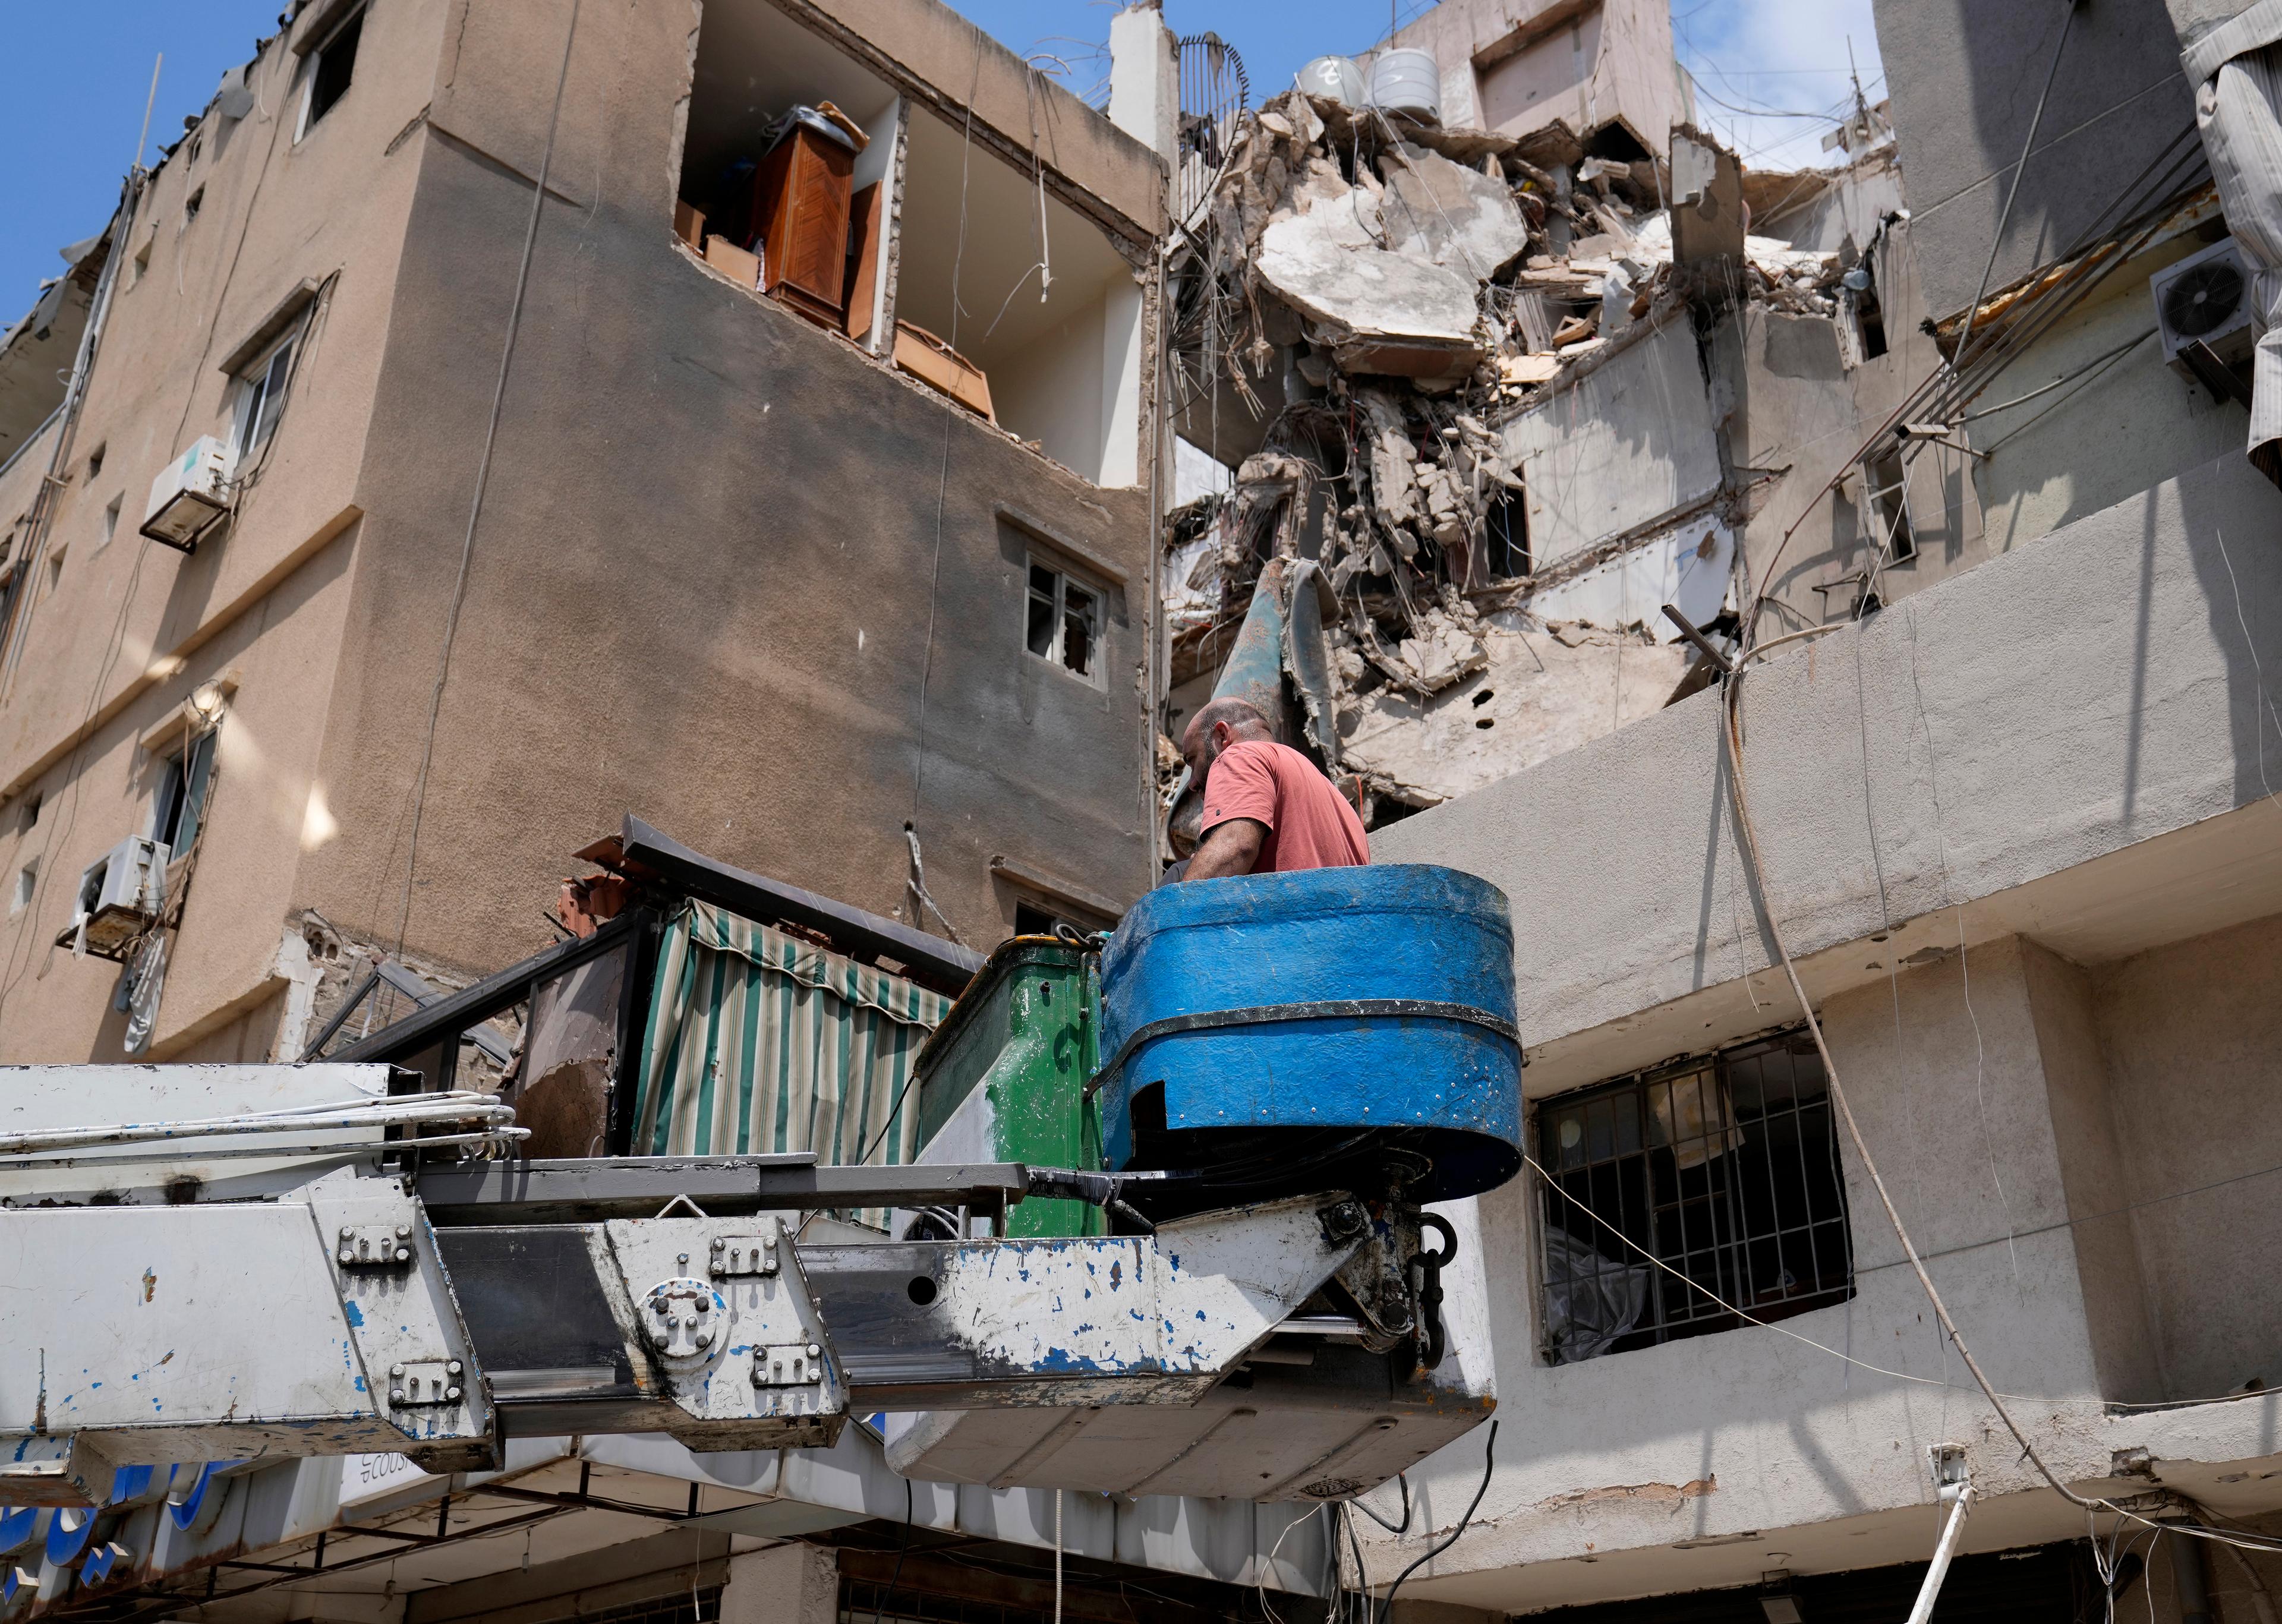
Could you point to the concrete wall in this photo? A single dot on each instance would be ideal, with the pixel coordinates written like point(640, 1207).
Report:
point(711, 601)
point(2112, 428)
point(2190, 1034)
point(1518, 68)
point(703, 582)
point(129, 630)
point(1694, 1463)
point(1930, 787)
point(1630, 443)
point(1964, 80)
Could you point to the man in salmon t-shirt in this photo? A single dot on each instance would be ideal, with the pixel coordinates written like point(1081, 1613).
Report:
point(1267, 810)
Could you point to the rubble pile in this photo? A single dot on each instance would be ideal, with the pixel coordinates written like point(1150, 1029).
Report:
point(1386, 295)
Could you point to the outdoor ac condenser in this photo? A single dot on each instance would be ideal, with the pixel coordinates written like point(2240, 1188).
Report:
point(190, 496)
point(2204, 297)
point(119, 896)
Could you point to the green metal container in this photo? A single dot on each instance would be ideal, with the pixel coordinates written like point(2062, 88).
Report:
point(1002, 1079)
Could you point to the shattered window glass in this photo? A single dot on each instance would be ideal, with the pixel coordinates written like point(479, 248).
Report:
point(1078, 628)
point(1064, 622)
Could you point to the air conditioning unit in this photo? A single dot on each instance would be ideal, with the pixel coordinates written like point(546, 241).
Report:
point(2204, 297)
point(119, 898)
point(190, 496)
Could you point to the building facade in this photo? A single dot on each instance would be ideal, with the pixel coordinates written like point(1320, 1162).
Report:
point(537, 515)
point(2014, 819)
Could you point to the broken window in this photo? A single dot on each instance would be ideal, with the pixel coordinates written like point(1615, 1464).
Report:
point(180, 804)
point(1869, 313)
point(1888, 480)
point(28, 882)
point(192, 204)
point(926, 246)
point(331, 67)
point(1063, 624)
point(1505, 538)
point(1678, 1192)
point(261, 396)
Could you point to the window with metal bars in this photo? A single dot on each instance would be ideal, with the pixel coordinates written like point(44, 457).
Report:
point(1724, 1168)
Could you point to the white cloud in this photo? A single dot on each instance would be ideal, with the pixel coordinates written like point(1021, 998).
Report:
point(1756, 62)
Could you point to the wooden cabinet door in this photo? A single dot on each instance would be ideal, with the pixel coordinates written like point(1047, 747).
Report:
point(804, 196)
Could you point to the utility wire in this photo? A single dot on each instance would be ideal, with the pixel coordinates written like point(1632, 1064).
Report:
point(1489, 1465)
point(2005, 218)
point(1693, 1284)
point(1732, 702)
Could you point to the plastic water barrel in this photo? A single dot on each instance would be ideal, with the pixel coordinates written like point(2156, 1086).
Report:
point(1408, 81)
point(1336, 1028)
point(1334, 78)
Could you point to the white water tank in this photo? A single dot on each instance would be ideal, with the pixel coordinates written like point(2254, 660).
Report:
point(1408, 81)
point(1335, 79)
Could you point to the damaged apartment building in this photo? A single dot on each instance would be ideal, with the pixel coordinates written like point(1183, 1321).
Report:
point(1929, 911)
point(751, 436)
point(703, 454)
point(1507, 357)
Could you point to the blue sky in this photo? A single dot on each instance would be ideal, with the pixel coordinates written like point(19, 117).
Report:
point(69, 111)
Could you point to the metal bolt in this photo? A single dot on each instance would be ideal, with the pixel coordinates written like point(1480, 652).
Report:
point(396, 1369)
point(454, 1367)
point(453, 1393)
point(683, 1258)
point(396, 1396)
point(816, 1373)
point(705, 1339)
point(814, 1352)
point(718, 1243)
point(403, 1256)
point(346, 1232)
point(347, 1256)
point(404, 1232)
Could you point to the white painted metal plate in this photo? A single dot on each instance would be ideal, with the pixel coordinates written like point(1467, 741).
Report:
point(719, 1343)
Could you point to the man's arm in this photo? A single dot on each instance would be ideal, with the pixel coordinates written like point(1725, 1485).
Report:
point(1229, 848)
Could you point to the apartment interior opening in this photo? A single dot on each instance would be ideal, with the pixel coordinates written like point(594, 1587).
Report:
point(895, 226)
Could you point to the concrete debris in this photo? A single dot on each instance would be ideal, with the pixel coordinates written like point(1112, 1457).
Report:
point(1392, 302)
point(1529, 692)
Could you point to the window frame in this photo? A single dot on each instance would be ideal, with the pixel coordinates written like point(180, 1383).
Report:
point(1895, 534)
point(258, 400)
point(1580, 1181)
point(185, 786)
point(1035, 562)
point(311, 116)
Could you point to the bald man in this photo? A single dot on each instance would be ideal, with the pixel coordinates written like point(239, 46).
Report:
point(1267, 810)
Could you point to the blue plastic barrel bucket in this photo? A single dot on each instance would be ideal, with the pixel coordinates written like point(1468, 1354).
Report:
point(1287, 1022)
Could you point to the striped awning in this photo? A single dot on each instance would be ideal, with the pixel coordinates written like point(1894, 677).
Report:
point(759, 1043)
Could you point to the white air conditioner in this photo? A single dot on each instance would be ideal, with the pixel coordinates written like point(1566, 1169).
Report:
point(2204, 297)
point(190, 496)
point(119, 898)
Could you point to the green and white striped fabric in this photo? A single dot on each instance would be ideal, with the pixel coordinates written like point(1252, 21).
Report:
point(759, 1043)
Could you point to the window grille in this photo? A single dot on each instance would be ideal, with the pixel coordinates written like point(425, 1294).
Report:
point(1724, 1167)
point(1214, 91)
